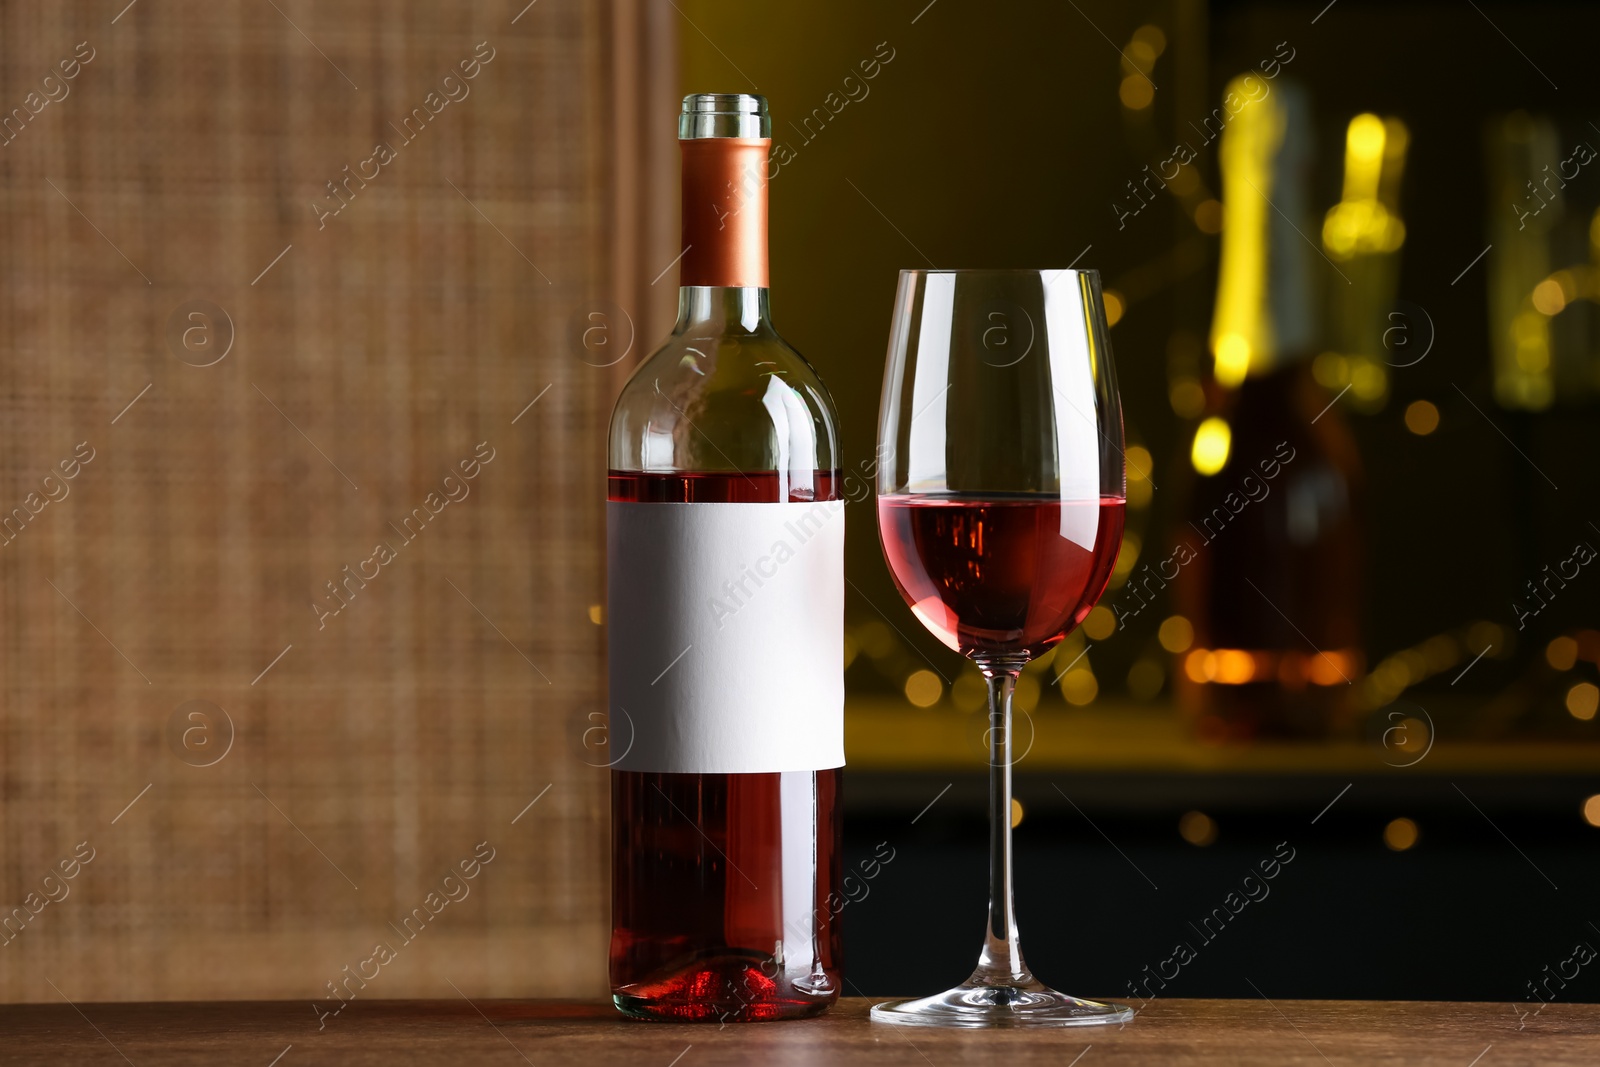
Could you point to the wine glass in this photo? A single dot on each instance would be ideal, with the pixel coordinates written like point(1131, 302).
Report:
point(1000, 508)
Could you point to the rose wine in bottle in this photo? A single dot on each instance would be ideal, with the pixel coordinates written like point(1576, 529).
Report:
point(725, 616)
point(1270, 555)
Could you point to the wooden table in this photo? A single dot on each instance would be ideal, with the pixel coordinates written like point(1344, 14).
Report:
point(549, 1034)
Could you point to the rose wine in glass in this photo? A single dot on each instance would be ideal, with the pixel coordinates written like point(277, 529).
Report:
point(996, 576)
point(1000, 508)
point(725, 616)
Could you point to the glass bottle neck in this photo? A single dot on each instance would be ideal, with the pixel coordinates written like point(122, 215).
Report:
point(723, 309)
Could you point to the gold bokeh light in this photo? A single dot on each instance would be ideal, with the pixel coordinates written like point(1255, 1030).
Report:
point(1400, 835)
point(1213, 439)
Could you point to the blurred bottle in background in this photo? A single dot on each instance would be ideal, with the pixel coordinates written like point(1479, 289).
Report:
point(1368, 332)
point(1269, 557)
point(1544, 278)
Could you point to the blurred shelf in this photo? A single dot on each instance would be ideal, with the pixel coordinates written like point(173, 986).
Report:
point(887, 734)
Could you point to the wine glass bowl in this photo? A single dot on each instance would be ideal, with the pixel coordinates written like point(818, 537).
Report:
point(1000, 510)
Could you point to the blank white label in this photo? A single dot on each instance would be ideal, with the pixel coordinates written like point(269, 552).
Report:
point(726, 635)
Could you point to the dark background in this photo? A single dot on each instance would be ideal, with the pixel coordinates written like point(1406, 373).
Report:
point(1461, 916)
point(996, 138)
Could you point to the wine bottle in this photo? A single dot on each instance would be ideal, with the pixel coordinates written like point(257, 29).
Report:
point(725, 617)
point(1269, 559)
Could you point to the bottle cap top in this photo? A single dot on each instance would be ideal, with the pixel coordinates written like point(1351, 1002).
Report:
point(724, 115)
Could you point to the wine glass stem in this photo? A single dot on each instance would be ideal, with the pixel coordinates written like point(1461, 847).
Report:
point(1001, 960)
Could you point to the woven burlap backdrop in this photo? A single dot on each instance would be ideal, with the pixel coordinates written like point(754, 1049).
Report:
point(217, 397)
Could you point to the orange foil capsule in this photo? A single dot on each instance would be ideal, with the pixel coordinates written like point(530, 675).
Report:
point(725, 211)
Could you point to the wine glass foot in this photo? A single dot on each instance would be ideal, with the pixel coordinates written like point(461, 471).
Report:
point(973, 1005)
